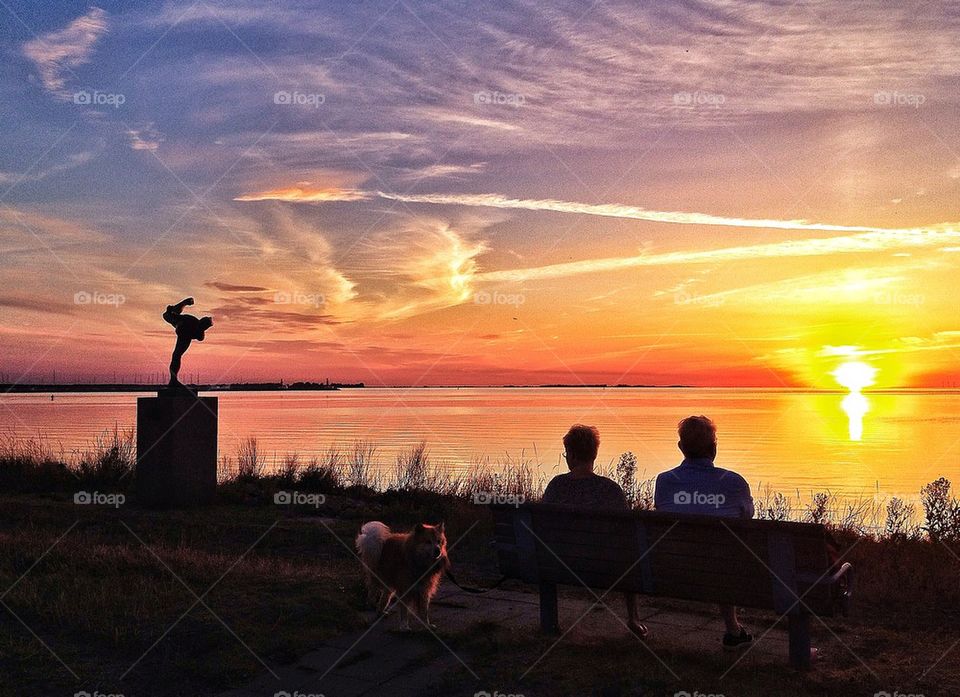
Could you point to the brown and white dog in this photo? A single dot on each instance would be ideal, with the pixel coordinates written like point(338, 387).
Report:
point(405, 565)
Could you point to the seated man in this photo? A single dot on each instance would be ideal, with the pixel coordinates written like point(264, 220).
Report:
point(582, 487)
point(719, 492)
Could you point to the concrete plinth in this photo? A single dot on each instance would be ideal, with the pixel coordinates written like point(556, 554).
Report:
point(176, 449)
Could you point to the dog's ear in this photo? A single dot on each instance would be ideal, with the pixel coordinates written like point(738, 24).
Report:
point(440, 527)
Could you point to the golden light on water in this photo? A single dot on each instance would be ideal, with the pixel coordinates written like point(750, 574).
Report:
point(855, 375)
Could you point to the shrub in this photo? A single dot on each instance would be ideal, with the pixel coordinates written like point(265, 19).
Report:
point(290, 469)
point(776, 507)
point(626, 476)
point(818, 510)
point(899, 523)
point(941, 510)
point(323, 476)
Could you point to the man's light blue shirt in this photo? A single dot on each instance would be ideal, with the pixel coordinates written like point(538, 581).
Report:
point(698, 486)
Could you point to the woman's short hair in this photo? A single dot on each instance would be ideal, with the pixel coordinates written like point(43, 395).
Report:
point(582, 443)
point(698, 436)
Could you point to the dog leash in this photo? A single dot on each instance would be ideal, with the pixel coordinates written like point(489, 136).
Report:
point(468, 589)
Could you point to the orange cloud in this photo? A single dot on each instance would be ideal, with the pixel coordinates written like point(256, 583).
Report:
point(306, 194)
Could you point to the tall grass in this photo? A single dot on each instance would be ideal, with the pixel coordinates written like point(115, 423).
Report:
point(323, 474)
point(412, 471)
point(363, 467)
point(32, 466)
point(250, 460)
point(506, 476)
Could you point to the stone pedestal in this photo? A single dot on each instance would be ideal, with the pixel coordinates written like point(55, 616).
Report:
point(176, 449)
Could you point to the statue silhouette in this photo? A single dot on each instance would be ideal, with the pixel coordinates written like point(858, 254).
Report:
point(188, 328)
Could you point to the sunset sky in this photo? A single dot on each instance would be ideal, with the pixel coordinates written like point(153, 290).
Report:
point(400, 192)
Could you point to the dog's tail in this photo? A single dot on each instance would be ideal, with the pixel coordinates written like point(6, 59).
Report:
point(370, 542)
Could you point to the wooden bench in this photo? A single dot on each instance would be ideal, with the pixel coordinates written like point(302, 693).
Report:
point(779, 566)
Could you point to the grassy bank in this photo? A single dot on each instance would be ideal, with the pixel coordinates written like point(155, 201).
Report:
point(250, 474)
point(105, 597)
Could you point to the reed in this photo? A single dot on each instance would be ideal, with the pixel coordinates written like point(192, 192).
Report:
point(107, 464)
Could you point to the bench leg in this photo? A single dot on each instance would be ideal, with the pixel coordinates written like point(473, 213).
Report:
point(800, 641)
point(549, 616)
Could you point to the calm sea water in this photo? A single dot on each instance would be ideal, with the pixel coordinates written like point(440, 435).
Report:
point(787, 440)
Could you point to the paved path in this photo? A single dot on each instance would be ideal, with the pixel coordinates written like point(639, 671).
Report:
point(383, 661)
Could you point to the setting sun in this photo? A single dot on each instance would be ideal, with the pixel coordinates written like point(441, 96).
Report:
point(855, 375)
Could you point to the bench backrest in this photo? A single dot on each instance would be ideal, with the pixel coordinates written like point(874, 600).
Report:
point(752, 563)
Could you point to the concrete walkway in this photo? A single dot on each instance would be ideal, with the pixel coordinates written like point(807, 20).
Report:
point(383, 661)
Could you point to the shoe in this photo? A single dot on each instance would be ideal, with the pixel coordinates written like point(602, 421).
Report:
point(638, 629)
point(735, 642)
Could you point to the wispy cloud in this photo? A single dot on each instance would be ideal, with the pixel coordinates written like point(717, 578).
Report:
point(860, 239)
point(74, 160)
point(146, 137)
point(59, 52)
point(430, 265)
point(438, 171)
point(233, 288)
point(875, 241)
point(306, 194)
point(616, 210)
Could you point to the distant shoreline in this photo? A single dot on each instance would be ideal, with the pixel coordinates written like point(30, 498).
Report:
point(46, 388)
point(232, 387)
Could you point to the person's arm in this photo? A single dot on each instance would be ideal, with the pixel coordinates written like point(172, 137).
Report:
point(549, 494)
point(617, 498)
point(746, 501)
point(172, 314)
point(178, 308)
point(657, 489)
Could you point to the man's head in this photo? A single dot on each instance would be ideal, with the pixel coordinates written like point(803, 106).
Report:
point(698, 437)
point(206, 323)
point(580, 445)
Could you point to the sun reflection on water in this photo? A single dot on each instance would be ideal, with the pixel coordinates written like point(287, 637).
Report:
point(855, 375)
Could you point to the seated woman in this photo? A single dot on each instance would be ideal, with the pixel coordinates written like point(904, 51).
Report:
point(582, 487)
